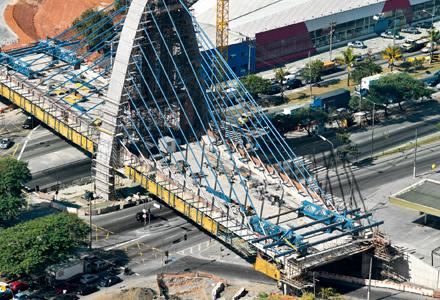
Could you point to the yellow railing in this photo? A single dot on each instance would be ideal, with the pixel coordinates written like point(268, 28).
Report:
point(174, 201)
point(47, 118)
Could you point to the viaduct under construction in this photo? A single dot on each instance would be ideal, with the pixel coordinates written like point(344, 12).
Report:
point(147, 94)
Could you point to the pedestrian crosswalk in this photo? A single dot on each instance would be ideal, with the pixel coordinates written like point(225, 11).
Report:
point(308, 163)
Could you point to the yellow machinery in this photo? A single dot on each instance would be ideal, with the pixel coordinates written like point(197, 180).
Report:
point(222, 26)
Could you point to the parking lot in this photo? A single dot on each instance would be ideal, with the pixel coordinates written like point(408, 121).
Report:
point(373, 45)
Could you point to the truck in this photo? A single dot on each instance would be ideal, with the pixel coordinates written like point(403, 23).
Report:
point(332, 100)
point(65, 270)
point(414, 45)
point(366, 83)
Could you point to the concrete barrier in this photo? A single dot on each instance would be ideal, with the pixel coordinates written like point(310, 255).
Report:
point(403, 287)
point(238, 295)
point(217, 290)
point(61, 207)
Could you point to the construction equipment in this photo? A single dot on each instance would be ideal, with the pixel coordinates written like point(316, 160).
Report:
point(222, 27)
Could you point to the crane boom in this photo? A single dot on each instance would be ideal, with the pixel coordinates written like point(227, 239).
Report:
point(222, 26)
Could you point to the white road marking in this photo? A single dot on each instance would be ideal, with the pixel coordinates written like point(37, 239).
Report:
point(25, 143)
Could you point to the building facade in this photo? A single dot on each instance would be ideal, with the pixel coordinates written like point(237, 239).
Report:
point(286, 30)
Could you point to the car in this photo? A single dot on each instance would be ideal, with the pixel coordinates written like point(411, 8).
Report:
point(432, 81)
point(89, 278)
point(356, 44)
point(22, 296)
point(425, 25)
point(428, 48)
point(30, 123)
point(410, 29)
point(389, 35)
point(86, 290)
point(18, 286)
point(274, 89)
point(109, 281)
point(293, 84)
point(5, 143)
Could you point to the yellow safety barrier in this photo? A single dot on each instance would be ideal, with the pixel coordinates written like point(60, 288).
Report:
point(47, 118)
point(200, 218)
point(267, 268)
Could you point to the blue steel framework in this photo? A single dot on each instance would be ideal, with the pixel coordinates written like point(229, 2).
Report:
point(172, 91)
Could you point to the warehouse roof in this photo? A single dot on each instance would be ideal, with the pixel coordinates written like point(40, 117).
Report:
point(251, 17)
point(423, 196)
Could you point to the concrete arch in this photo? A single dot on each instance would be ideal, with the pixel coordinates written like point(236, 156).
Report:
point(107, 147)
point(133, 38)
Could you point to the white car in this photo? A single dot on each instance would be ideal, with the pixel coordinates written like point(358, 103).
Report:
point(5, 143)
point(356, 44)
point(427, 48)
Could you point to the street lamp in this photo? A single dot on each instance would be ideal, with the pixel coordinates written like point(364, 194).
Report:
point(431, 14)
point(328, 141)
point(333, 147)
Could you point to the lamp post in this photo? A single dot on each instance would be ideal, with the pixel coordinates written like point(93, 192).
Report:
point(432, 28)
point(328, 141)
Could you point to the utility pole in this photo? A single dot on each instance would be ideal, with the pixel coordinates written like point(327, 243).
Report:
point(369, 279)
point(372, 130)
point(332, 23)
point(310, 77)
point(415, 156)
point(394, 27)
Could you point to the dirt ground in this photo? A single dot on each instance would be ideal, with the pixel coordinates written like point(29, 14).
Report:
point(32, 20)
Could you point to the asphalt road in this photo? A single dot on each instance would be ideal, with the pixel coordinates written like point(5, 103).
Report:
point(387, 134)
point(379, 172)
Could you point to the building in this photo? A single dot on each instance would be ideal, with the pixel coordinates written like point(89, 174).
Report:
point(268, 33)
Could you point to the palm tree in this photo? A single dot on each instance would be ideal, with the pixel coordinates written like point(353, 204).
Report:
point(392, 54)
point(348, 58)
point(280, 73)
point(434, 37)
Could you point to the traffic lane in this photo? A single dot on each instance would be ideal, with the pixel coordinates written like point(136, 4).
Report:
point(125, 220)
point(61, 175)
point(219, 268)
point(381, 172)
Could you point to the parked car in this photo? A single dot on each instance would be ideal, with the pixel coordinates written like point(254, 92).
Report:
point(89, 278)
point(22, 296)
point(5, 143)
point(389, 35)
point(425, 25)
point(356, 44)
point(410, 29)
point(86, 290)
point(274, 89)
point(18, 286)
point(293, 84)
point(428, 47)
point(109, 281)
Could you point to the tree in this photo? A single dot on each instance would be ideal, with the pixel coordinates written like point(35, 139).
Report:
point(13, 175)
point(255, 84)
point(308, 117)
point(280, 74)
point(434, 38)
point(396, 88)
point(95, 27)
point(348, 58)
point(33, 245)
point(392, 54)
point(365, 69)
point(120, 3)
point(312, 72)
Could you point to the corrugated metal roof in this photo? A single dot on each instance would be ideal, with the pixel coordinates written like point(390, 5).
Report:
point(251, 17)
